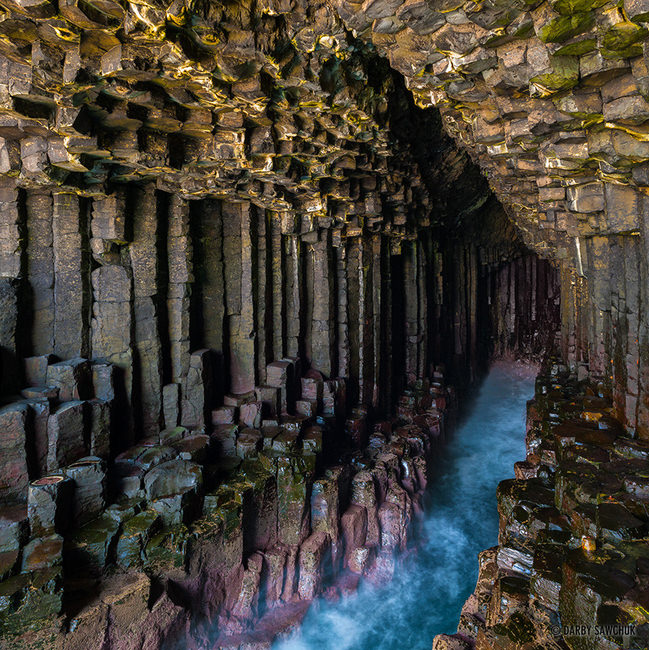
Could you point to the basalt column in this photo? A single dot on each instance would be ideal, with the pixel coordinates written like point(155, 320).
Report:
point(147, 308)
point(237, 266)
point(239, 295)
point(550, 99)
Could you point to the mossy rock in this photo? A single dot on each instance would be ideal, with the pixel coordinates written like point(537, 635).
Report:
point(623, 40)
point(234, 490)
point(255, 473)
point(12, 591)
point(564, 27)
point(124, 509)
point(172, 435)
point(568, 7)
point(564, 75)
point(524, 31)
point(225, 504)
point(578, 48)
point(41, 611)
point(168, 549)
point(91, 547)
point(267, 459)
point(29, 602)
point(97, 531)
point(208, 527)
point(136, 533)
point(231, 514)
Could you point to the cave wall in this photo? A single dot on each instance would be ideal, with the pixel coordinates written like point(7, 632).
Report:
point(269, 199)
point(232, 249)
point(231, 275)
point(175, 279)
point(549, 98)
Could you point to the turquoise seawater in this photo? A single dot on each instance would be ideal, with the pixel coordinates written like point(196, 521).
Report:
point(427, 594)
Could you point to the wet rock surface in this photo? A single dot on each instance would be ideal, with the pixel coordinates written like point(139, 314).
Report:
point(229, 241)
point(179, 539)
point(570, 566)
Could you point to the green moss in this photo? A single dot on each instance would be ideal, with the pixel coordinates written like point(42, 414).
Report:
point(141, 525)
point(524, 31)
point(579, 48)
point(231, 513)
point(622, 40)
point(169, 548)
point(255, 473)
point(630, 52)
point(565, 74)
point(641, 17)
point(234, 490)
point(169, 436)
point(210, 526)
point(98, 531)
point(564, 27)
point(28, 603)
point(11, 587)
point(568, 7)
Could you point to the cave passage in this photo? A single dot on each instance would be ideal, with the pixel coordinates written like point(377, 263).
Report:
point(254, 255)
point(426, 596)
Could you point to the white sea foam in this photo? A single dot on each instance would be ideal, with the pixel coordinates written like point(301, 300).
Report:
point(427, 594)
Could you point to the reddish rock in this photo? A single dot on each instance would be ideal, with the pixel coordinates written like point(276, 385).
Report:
point(224, 415)
point(250, 414)
point(14, 444)
point(325, 502)
point(390, 520)
point(274, 570)
point(289, 592)
point(360, 559)
point(354, 528)
point(312, 564)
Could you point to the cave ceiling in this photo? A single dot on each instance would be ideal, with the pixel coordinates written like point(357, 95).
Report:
point(287, 103)
point(279, 103)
